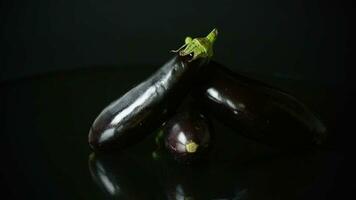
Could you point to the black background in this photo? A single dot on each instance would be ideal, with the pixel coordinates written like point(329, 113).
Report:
point(297, 39)
point(58, 55)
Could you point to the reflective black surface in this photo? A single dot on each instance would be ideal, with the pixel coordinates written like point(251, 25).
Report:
point(45, 155)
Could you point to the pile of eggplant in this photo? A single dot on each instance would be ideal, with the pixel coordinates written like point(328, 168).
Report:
point(251, 108)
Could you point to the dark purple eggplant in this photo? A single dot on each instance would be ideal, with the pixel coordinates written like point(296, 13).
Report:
point(145, 107)
point(258, 111)
point(187, 136)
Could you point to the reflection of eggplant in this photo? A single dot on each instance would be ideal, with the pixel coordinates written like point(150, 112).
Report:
point(186, 191)
point(283, 177)
point(121, 178)
point(257, 110)
point(187, 135)
point(199, 182)
point(146, 106)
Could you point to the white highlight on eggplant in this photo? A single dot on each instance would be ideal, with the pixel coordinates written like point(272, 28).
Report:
point(180, 147)
point(182, 138)
point(107, 134)
point(231, 104)
point(128, 110)
point(215, 94)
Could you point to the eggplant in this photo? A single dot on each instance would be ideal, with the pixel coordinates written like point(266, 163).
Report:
point(187, 136)
point(145, 107)
point(257, 110)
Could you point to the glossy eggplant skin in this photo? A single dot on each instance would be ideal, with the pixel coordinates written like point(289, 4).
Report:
point(257, 110)
point(145, 107)
point(187, 136)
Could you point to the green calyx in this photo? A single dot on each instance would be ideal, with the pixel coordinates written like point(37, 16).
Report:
point(198, 47)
